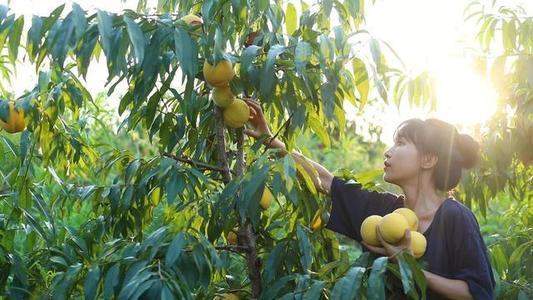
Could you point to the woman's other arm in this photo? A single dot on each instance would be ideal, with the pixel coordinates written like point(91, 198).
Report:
point(320, 176)
point(449, 288)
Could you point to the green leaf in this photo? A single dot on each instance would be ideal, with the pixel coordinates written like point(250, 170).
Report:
point(348, 286)
point(136, 38)
point(175, 249)
point(273, 289)
point(34, 36)
point(187, 52)
point(146, 285)
point(174, 186)
point(34, 223)
point(79, 20)
point(124, 102)
point(105, 27)
point(306, 257)
point(361, 80)
point(111, 281)
point(419, 277)
point(406, 274)
point(315, 291)
point(353, 7)
point(267, 72)
point(376, 282)
point(4, 110)
point(302, 53)
point(61, 40)
point(307, 177)
point(318, 127)
point(519, 252)
point(166, 293)
point(133, 284)
point(91, 283)
point(327, 5)
point(131, 169)
point(274, 259)
point(247, 58)
point(220, 43)
point(375, 50)
point(3, 12)
point(84, 53)
point(14, 38)
point(25, 140)
point(290, 19)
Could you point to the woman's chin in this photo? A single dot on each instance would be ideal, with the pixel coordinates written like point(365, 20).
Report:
point(387, 178)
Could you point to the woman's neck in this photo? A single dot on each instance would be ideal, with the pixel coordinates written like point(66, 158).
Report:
point(423, 202)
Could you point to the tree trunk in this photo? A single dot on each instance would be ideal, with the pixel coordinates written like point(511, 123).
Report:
point(246, 234)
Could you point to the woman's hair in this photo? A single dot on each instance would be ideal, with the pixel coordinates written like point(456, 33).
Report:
point(455, 151)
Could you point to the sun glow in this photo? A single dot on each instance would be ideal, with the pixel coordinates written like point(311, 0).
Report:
point(432, 36)
point(463, 97)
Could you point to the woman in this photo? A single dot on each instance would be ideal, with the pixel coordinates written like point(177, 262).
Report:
point(426, 161)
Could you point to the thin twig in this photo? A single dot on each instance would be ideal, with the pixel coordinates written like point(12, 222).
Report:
point(196, 164)
point(221, 144)
point(234, 248)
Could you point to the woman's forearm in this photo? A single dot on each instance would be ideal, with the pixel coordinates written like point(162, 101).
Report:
point(320, 176)
point(450, 288)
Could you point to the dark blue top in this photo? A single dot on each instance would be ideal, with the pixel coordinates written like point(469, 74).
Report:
point(455, 247)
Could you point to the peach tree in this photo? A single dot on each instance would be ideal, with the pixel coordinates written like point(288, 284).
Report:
point(203, 212)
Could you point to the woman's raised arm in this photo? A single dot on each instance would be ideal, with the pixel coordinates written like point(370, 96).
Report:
point(321, 177)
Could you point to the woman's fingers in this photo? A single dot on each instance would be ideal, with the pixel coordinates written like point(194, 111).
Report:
point(380, 238)
point(251, 132)
point(407, 239)
point(253, 104)
point(375, 249)
point(253, 112)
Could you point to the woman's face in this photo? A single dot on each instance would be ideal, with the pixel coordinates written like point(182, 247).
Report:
point(401, 163)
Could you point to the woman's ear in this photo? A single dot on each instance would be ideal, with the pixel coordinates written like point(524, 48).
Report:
point(428, 161)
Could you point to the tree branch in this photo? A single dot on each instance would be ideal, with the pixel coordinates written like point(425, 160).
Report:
point(247, 231)
point(233, 248)
point(196, 164)
point(221, 144)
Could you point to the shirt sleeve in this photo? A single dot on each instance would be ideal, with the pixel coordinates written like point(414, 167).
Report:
point(351, 204)
point(471, 261)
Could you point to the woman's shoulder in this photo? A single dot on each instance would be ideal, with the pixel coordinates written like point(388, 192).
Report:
point(457, 214)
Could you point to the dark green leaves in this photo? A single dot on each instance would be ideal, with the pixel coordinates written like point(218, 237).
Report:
point(105, 27)
point(187, 52)
point(79, 20)
point(14, 38)
point(348, 286)
point(376, 283)
point(136, 38)
point(175, 249)
point(34, 36)
point(91, 283)
point(4, 110)
point(306, 258)
point(268, 76)
point(61, 42)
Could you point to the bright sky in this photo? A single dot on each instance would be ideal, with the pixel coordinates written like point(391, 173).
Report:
point(427, 34)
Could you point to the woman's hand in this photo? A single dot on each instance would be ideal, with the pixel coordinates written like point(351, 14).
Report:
point(390, 249)
point(257, 119)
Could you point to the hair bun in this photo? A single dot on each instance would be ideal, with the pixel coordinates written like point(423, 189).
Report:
point(469, 150)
